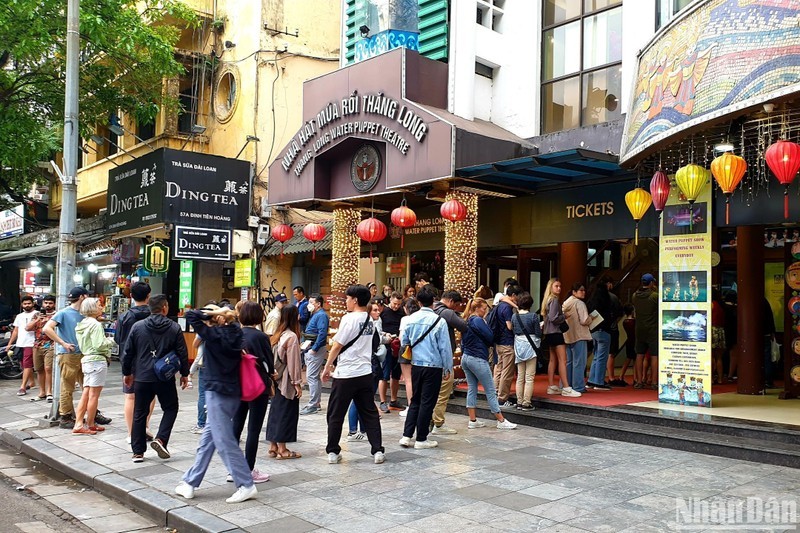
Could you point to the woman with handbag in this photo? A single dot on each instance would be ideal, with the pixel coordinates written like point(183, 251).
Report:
point(285, 410)
point(222, 359)
point(256, 343)
point(527, 340)
point(577, 337)
point(555, 324)
point(475, 344)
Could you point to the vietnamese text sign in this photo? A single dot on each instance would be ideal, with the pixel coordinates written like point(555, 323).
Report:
point(202, 243)
point(12, 222)
point(185, 284)
point(243, 271)
point(685, 331)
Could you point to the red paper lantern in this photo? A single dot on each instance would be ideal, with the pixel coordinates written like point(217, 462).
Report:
point(403, 217)
point(783, 159)
point(371, 230)
point(314, 233)
point(282, 233)
point(659, 190)
point(453, 210)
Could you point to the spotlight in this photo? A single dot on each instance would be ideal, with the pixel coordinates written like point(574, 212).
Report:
point(725, 146)
point(364, 29)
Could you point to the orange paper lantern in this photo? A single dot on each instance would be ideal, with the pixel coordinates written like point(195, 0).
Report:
point(728, 169)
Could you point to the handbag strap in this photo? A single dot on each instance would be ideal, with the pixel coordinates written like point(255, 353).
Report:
point(354, 339)
point(524, 330)
point(438, 318)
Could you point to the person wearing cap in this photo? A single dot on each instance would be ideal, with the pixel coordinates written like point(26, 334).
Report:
point(645, 302)
point(61, 330)
point(274, 316)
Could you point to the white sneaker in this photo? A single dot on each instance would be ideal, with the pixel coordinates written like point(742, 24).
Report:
point(442, 430)
point(403, 413)
point(128, 439)
point(505, 424)
point(334, 458)
point(185, 490)
point(476, 424)
point(406, 442)
point(552, 389)
point(380, 457)
point(243, 494)
point(570, 392)
point(425, 444)
point(197, 430)
point(229, 479)
point(358, 436)
point(508, 405)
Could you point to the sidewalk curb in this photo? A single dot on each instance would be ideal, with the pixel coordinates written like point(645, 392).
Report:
point(164, 509)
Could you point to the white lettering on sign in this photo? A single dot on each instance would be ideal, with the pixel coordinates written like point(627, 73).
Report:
point(597, 209)
point(322, 130)
point(175, 191)
point(121, 205)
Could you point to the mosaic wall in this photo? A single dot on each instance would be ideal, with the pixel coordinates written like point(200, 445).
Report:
point(724, 53)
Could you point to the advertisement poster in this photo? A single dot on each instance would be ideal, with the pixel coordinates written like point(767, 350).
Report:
point(685, 312)
point(773, 291)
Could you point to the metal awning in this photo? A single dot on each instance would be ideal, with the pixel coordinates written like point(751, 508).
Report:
point(49, 249)
point(546, 170)
point(299, 244)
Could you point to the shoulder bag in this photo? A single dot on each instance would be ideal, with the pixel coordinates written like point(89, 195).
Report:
point(166, 366)
point(407, 352)
point(252, 383)
point(527, 334)
point(354, 339)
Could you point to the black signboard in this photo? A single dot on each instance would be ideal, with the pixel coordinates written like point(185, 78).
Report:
point(202, 243)
point(135, 197)
point(183, 188)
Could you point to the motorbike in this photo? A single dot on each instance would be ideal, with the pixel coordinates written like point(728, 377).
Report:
point(10, 365)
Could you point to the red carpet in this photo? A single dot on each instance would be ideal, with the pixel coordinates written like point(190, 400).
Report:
point(616, 396)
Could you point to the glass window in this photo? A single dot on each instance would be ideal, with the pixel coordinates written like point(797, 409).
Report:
point(600, 95)
point(602, 35)
point(556, 11)
point(562, 51)
point(595, 5)
point(560, 105)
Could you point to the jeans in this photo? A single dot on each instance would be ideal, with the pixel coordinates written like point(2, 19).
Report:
point(257, 410)
point(526, 372)
point(477, 371)
point(314, 364)
point(360, 390)
point(426, 381)
point(219, 436)
point(602, 345)
point(201, 397)
point(144, 392)
point(576, 365)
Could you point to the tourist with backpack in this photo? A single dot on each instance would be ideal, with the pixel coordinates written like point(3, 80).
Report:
point(500, 323)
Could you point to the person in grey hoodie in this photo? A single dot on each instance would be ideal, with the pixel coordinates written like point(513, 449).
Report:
point(445, 309)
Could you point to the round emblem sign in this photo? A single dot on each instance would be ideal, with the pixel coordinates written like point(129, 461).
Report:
point(366, 168)
point(792, 276)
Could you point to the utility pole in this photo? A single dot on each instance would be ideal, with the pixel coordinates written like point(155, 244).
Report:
point(69, 189)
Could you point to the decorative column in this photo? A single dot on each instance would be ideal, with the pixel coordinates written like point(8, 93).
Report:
point(461, 247)
point(572, 258)
point(344, 263)
point(750, 283)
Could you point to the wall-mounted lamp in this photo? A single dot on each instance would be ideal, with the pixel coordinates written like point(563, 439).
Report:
point(86, 147)
point(364, 29)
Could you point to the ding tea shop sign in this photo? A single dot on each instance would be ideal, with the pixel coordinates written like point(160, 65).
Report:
point(156, 258)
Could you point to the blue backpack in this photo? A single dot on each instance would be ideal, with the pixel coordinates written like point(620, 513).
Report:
point(495, 324)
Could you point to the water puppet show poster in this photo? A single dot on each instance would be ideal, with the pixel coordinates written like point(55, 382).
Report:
point(684, 374)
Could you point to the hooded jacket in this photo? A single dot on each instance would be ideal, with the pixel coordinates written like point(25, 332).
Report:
point(92, 340)
point(155, 333)
point(578, 319)
point(453, 321)
point(125, 324)
point(222, 354)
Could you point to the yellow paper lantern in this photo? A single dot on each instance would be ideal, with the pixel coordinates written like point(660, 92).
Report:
point(728, 169)
point(638, 201)
point(691, 179)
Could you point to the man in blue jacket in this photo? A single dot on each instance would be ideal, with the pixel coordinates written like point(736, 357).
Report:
point(316, 333)
point(301, 302)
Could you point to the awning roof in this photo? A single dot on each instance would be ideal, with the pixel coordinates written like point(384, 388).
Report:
point(546, 170)
point(299, 244)
point(49, 249)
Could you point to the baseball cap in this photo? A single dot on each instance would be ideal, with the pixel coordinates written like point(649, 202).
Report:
point(647, 279)
point(77, 292)
point(281, 298)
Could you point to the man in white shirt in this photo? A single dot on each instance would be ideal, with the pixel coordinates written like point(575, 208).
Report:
point(352, 377)
point(24, 340)
point(274, 316)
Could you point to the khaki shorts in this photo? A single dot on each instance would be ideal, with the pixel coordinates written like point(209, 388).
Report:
point(42, 358)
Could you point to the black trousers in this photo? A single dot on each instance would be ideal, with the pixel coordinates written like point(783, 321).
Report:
point(258, 410)
point(144, 392)
point(361, 392)
point(426, 383)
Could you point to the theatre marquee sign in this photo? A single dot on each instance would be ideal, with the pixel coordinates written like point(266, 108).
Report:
point(373, 116)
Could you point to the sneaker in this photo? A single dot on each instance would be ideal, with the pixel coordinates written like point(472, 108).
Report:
point(22, 392)
point(358, 436)
point(138, 458)
point(619, 383)
point(197, 430)
point(185, 490)
point(309, 410)
point(229, 479)
point(83, 430)
point(601, 387)
point(128, 439)
point(243, 494)
point(334, 458)
point(384, 407)
point(508, 405)
point(258, 476)
point(569, 392)
point(526, 406)
point(475, 424)
point(380, 457)
point(442, 430)
point(406, 442)
point(638, 385)
point(394, 404)
point(552, 389)
point(100, 418)
point(505, 424)
point(403, 413)
point(49, 398)
point(160, 449)
point(425, 444)
point(67, 422)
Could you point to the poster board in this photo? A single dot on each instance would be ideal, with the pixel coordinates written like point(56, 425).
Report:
point(684, 331)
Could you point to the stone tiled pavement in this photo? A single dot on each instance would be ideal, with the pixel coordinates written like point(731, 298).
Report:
point(478, 480)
